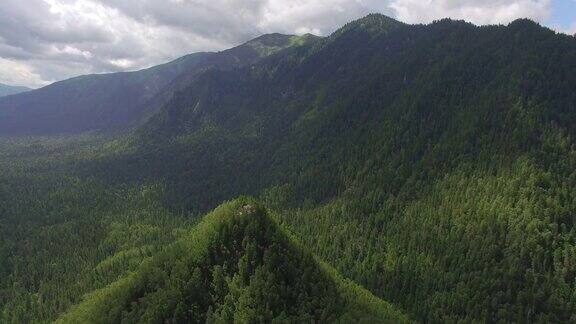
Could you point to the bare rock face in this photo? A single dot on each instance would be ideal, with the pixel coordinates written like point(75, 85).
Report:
point(247, 209)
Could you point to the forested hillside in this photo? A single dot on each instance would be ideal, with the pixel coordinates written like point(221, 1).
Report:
point(114, 252)
point(118, 100)
point(431, 164)
point(62, 236)
point(238, 266)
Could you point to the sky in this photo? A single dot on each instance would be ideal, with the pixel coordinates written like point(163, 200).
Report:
point(42, 41)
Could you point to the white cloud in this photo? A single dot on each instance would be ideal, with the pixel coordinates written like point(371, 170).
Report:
point(16, 73)
point(316, 16)
point(57, 39)
point(478, 12)
point(570, 30)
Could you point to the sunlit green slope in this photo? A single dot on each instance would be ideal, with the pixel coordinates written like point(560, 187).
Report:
point(237, 265)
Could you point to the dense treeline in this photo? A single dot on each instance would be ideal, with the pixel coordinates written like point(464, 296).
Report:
point(381, 128)
point(489, 245)
point(237, 266)
point(433, 165)
point(62, 236)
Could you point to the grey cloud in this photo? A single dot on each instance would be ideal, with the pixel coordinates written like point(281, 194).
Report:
point(226, 20)
point(48, 40)
point(476, 11)
point(26, 23)
point(61, 38)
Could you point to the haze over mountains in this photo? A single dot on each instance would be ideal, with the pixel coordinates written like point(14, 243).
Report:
point(115, 101)
point(431, 165)
point(6, 90)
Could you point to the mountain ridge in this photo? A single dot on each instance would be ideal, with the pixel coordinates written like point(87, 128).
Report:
point(123, 99)
point(366, 124)
point(233, 247)
point(7, 90)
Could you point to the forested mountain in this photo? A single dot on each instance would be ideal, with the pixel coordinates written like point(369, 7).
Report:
point(6, 90)
point(118, 100)
point(431, 164)
point(237, 266)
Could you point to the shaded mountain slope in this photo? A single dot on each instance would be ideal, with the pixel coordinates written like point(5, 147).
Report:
point(381, 128)
point(6, 90)
point(237, 265)
point(119, 100)
point(430, 97)
point(88, 102)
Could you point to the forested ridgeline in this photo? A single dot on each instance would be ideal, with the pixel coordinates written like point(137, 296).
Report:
point(68, 242)
point(450, 144)
point(118, 101)
point(237, 266)
point(62, 236)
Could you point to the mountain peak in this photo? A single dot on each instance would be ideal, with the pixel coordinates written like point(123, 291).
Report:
point(233, 267)
point(376, 20)
point(379, 18)
point(525, 23)
point(273, 39)
point(268, 44)
point(372, 23)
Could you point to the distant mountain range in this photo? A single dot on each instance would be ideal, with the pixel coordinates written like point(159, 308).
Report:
point(118, 100)
point(6, 90)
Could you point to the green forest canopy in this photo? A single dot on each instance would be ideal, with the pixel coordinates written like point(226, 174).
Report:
point(432, 165)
